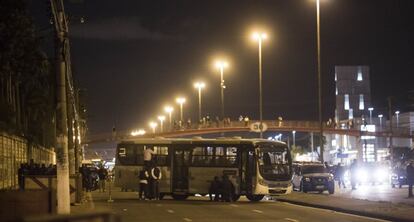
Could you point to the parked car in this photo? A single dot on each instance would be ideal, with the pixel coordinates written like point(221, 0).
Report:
point(313, 177)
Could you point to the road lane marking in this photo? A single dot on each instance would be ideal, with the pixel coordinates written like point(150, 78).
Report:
point(187, 219)
point(290, 219)
point(234, 205)
point(159, 205)
point(170, 211)
point(258, 211)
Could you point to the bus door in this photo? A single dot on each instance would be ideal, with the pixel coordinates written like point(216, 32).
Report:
point(180, 166)
point(248, 169)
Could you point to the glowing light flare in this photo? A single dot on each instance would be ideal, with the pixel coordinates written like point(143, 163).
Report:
point(259, 36)
point(199, 85)
point(153, 125)
point(168, 109)
point(220, 64)
point(161, 118)
point(180, 100)
point(139, 132)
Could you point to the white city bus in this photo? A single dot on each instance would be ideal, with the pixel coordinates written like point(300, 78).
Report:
point(256, 167)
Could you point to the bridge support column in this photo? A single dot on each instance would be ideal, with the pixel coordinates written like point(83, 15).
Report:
point(312, 146)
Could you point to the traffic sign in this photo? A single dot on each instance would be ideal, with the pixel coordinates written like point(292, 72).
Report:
point(255, 127)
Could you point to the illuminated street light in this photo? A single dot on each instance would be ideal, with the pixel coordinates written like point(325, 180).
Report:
point(259, 37)
point(398, 114)
point(169, 110)
point(181, 101)
point(318, 52)
point(221, 64)
point(294, 138)
point(153, 125)
point(380, 118)
point(139, 132)
point(199, 86)
point(161, 119)
point(370, 114)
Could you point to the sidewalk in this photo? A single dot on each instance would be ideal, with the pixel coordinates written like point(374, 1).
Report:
point(354, 203)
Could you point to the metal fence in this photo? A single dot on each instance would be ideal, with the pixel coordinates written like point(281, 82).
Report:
point(14, 151)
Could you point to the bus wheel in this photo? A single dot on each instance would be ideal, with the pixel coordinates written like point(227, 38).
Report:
point(236, 197)
point(254, 198)
point(179, 196)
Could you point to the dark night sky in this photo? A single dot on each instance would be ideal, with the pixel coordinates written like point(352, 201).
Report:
point(135, 56)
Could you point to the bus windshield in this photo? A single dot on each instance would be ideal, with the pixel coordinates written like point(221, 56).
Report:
point(274, 161)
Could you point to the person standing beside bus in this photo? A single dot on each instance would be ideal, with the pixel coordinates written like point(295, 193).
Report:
point(156, 176)
point(143, 184)
point(103, 174)
point(148, 152)
point(215, 189)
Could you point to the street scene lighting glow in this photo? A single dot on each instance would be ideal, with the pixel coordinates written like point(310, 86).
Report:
point(221, 64)
point(161, 118)
point(153, 125)
point(168, 109)
point(259, 36)
point(180, 100)
point(397, 112)
point(370, 109)
point(199, 85)
point(380, 115)
point(139, 132)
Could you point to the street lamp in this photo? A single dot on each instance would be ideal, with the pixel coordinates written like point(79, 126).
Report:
point(318, 52)
point(181, 101)
point(370, 114)
point(199, 86)
point(380, 118)
point(169, 110)
point(398, 114)
point(161, 119)
point(259, 37)
point(294, 138)
point(221, 64)
point(153, 125)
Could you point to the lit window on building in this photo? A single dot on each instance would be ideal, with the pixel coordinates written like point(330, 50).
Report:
point(346, 96)
point(359, 77)
point(351, 114)
point(361, 102)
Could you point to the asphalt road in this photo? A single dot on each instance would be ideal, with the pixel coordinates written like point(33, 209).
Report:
point(200, 209)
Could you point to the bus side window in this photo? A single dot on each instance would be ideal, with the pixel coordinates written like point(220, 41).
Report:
point(140, 154)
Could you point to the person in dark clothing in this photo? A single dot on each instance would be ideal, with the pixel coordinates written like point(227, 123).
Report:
point(227, 189)
point(155, 177)
point(215, 187)
point(20, 174)
point(340, 175)
point(410, 179)
point(103, 174)
point(143, 184)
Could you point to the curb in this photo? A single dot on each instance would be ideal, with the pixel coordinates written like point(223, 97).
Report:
point(348, 211)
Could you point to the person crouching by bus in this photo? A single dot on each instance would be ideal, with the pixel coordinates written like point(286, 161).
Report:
point(143, 184)
point(215, 189)
point(156, 176)
point(227, 189)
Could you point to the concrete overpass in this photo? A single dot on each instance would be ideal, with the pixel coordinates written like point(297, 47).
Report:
point(241, 126)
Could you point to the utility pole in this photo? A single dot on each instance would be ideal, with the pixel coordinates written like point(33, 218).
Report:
point(62, 161)
point(390, 117)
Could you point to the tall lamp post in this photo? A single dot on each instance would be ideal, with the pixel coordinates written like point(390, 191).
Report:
point(153, 125)
point(318, 41)
point(220, 64)
point(294, 138)
point(370, 109)
point(181, 101)
point(161, 119)
point(380, 119)
point(259, 37)
point(199, 86)
point(169, 110)
point(397, 113)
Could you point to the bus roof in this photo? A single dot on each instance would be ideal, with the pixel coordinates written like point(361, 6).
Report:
point(219, 140)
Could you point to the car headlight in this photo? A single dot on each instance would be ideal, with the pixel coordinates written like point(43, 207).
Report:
point(307, 179)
